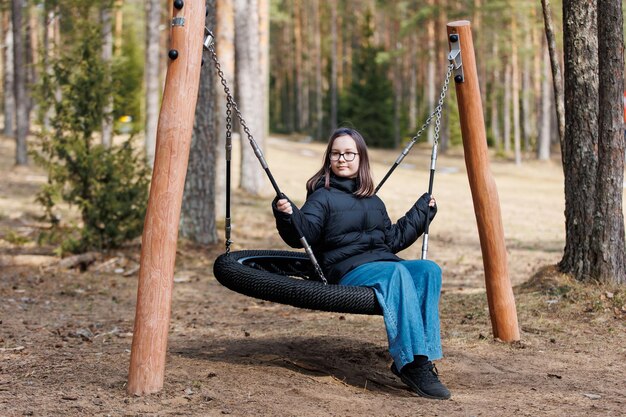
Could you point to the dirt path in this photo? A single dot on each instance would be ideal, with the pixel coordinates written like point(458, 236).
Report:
point(65, 336)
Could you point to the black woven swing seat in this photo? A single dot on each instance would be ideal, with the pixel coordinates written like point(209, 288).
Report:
point(288, 278)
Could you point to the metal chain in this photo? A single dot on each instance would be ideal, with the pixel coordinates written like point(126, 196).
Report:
point(231, 104)
point(230, 101)
point(437, 112)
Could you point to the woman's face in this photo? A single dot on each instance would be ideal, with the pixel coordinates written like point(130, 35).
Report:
point(344, 158)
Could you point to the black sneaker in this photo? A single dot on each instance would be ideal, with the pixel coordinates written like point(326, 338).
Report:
point(423, 380)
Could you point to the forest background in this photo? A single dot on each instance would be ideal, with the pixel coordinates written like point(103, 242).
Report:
point(378, 66)
point(83, 105)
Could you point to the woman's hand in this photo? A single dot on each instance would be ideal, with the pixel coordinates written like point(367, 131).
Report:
point(284, 205)
point(432, 202)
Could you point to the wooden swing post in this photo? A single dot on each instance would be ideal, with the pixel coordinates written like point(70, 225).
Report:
point(160, 233)
point(484, 193)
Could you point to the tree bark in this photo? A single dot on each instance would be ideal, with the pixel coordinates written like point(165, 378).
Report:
point(197, 221)
point(495, 115)
point(250, 91)
point(21, 102)
point(31, 47)
point(430, 69)
point(317, 34)
point(107, 55)
point(413, 67)
point(119, 26)
point(608, 256)
point(299, 82)
point(515, 92)
point(506, 108)
point(49, 47)
point(557, 78)
point(333, 65)
point(397, 81)
point(543, 145)
point(264, 58)
point(537, 71)
point(152, 76)
point(580, 159)
point(8, 82)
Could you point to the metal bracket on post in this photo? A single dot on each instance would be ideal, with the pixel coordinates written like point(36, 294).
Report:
point(208, 39)
point(178, 21)
point(455, 57)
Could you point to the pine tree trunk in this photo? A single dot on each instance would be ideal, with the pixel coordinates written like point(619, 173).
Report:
point(413, 68)
point(48, 53)
point(444, 135)
point(608, 257)
point(250, 91)
point(107, 55)
point(152, 76)
point(297, 37)
point(515, 93)
point(264, 58)
point(430, 71)
point(537, 72)
point(557, 78)
point(32, 50)
point(527, 113)
point(580, 160)
point(225, 49)
point(197, 221)
point(333, 65)
point(495, 116)
point(317, 34)
point(478, 35)
point(19, 87)
point(305, 112)
point(507, 108)
point(119, 20)
point(543, 145)
point(290, 107)
point(397, 84)
point(8, 81)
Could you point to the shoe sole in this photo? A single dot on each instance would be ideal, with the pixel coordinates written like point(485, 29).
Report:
point(414, 387)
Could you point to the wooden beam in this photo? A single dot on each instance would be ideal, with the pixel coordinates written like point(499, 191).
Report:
point(158, 244)
point(484, 193)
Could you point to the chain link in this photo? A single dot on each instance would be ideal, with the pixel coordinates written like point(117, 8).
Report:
point(230, 101)
point(437, 112)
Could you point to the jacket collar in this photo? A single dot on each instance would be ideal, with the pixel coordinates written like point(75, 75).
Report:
point(348, 185)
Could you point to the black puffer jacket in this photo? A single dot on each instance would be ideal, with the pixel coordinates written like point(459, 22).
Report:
point(346, 231)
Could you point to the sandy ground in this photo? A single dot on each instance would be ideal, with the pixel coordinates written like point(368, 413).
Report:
point(65, 335)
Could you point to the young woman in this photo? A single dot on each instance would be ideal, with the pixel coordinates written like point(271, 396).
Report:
point(355, 243)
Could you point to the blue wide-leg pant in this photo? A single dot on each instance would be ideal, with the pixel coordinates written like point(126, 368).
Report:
point(408, 293)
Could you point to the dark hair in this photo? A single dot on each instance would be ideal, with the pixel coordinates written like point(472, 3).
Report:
point(364, 174)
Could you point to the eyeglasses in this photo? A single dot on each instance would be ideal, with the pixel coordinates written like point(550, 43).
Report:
point(347, 156)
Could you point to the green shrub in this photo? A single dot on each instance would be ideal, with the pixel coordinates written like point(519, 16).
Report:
point(108, 186)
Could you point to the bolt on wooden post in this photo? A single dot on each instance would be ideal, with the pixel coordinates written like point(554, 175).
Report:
point(160, 234)
point(484, 192)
